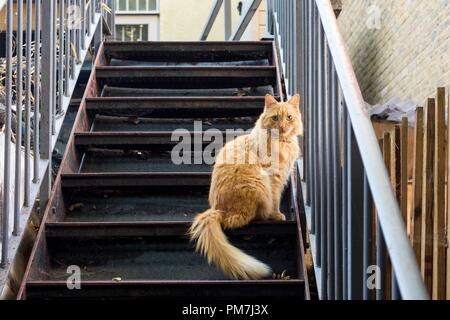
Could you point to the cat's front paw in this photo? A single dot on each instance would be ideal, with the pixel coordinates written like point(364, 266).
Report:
point(278, 216)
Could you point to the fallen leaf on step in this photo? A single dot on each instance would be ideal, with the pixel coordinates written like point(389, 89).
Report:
point(241, 92)
point(75, 206)
point(281, 276)
point(133, 120)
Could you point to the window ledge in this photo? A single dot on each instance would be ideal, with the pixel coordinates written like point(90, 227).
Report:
point(137, 12)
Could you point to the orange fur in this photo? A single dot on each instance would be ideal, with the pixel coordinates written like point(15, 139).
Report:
point(245, 187)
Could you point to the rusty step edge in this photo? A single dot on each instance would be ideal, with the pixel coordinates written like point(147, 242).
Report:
point(135, 179)
point(156, 228)
point(143, 139)
point(189, 51)
point(187, 77)
point(171, 107)
point(185, 72)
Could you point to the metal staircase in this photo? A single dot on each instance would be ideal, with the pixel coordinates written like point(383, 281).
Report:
point(120, 208)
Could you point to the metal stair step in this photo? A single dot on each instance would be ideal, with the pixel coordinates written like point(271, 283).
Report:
point(115, 91)
point(123, 62)
point(166, 202)
point(136, 124)
point(113, 160)
point(186, 77)
point(189, 51)
point(106, 290)
point(154, 254)
point(176, 107)
point(162, 140)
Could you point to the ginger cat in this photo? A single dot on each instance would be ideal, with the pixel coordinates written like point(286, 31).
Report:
point(246, 187)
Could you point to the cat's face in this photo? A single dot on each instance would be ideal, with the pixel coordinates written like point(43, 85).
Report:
point(283, 116)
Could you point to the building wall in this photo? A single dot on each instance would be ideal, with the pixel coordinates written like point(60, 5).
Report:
point(185, 19)
point(398, 48)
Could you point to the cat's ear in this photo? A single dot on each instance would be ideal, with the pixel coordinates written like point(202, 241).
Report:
point(270, 100)
point(295, 101)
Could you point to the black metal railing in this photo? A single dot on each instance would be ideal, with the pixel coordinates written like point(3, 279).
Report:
point(358, 238)
point(40, 73)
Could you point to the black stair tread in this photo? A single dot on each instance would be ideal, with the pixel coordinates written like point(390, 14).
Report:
point(173, 107)
point(186, 77)
point(123, 91)
point(117, 123)
point(110, 229)
point(124, 62)
point(164, 140)
point(135, 179)
point(191, 51)
point(103, 290)
point(161, 203)
point(158, 257)
point(102, 160)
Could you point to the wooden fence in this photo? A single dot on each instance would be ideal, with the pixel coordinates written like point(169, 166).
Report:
point(418, 163)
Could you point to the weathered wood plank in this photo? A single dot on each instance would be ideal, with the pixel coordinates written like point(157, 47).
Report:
point(428, 195)
point(416, 208)
point(439, 240)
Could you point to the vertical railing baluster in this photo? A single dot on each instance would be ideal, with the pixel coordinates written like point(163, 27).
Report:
point(337, 185)
point(113, 19)
point(27, 171)
point(89, 16)
point(313, 106)
point(381, 254)
point(19, 105)
point(61, 61)
point(302, 76)
point(345, 125)
point(67, 50)
point(355, 207)
point(367, 237)
point(55, 66)
point(83, 25)
point(47, 97)
point(316, 160)
point(322, 160)
point(8, 129)
point(79, 29)
point(309, 105)
point(329, 174)
point(37, 87)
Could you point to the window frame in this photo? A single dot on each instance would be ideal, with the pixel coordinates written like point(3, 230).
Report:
point(136, 11)
point(132, 25)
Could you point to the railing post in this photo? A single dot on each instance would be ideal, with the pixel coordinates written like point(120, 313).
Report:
point(113, 19)
point(19, 101)
point(227, 18)
point(47, 97)
point(8, 129)
point(27, 186)
point(355, 209)
point(37, 92)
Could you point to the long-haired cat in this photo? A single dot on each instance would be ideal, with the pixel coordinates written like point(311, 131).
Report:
point(247, 181)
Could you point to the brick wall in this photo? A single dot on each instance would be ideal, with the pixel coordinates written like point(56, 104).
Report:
point(398, 48)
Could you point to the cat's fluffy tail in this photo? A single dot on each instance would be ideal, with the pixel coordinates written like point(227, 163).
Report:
point(211, 241)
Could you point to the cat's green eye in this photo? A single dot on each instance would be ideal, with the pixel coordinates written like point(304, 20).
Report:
point(275, 118)
point(289, 117)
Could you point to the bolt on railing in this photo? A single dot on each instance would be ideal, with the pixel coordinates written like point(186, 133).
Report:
point(40, 75)
point(358, 237)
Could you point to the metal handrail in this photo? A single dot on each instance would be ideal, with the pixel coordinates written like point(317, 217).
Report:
point(344, 175)
point(48, 69)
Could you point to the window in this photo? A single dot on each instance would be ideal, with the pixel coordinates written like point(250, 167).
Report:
point(132, 32)
point(137, 5)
